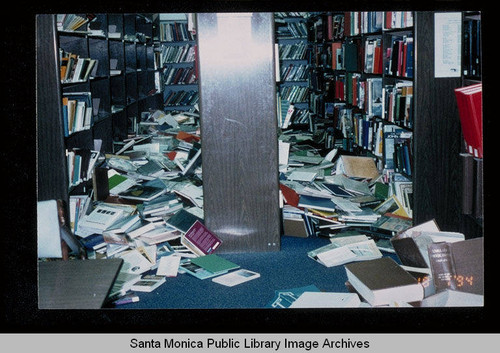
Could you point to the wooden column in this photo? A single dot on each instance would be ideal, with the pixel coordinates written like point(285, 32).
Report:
point(239, 130)
point(51, 162)
point(437, 136)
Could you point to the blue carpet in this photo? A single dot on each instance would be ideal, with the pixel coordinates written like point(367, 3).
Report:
point(285, 269)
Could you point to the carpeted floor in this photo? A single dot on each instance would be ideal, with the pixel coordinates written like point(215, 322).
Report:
point(288, 268)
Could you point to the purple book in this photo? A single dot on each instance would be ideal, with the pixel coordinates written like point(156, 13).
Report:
point(200, 240)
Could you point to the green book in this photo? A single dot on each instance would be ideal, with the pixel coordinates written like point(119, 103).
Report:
point(214, 263)
point(116, 180)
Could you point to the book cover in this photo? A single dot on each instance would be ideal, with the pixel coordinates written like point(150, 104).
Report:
point(237, 277)
point(469, 102)
point(142, 192)
point(383, 282)
point(200, 240)
point(458, 266)
point(360, 167)
point(214, 263)
point(183, 220)
point(326, 300)
point(318, 203)
point(148, 283)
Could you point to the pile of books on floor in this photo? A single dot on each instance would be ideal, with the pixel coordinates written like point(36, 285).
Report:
point(344, 197)
point(437, 269)
point(147, 209)
point(325, 192)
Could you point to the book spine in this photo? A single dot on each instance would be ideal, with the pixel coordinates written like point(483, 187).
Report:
point(441, 266)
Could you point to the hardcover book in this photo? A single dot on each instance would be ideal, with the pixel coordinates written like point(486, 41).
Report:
point(383, 282)
point(200, 240)
point(214, 263)
point(458, 266)
point(470, 105)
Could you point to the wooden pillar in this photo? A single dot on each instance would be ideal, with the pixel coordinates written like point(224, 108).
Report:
point(51, 161)
point(239, 130)
point(437, 135)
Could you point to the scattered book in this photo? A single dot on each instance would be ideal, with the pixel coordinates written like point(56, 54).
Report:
point(214, 263)
point(148, 283)
point(168, 266)
point(326, 300)
point(317, 203)
point(237, 277)
point(357, 167)
point(383, 282)
point(99, 220)
point(193, 269)
point(200, 240)
point(335, 254)
point(452, 298)
point(142, 192)
point(183, 220)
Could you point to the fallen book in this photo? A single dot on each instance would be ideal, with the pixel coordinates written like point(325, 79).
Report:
point(200, 240)
point(142, 193)
point(383, 282)
point(335, 255)
point(237, 277)
point(326, 300)
point(148, 283)
point(214, 263)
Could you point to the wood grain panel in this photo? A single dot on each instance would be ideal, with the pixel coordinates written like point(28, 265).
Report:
point(51, 172)
point(239, 130)
point(437, 136)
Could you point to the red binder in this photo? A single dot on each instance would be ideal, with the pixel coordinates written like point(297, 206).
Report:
point(470, 108)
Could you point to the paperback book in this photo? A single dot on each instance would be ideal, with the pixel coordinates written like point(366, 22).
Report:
point(237, 277)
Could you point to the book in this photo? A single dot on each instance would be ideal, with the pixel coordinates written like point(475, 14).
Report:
point(237, 277)
point(354, 248)
point(99, 220)
point(458, 265)
point(123, 224)
point(469, 102)
point(214, 263)
point(142, 192)
point(294, 225)
point(183, 220)
point(317, 203)
point(358, 167)
point(452, 298)
point(122, 284)
point(148, 283)
point(383, 282)
point(326, 300)
point(200, 240)
point(168, 266)
point(411, 245)
point(192, 269)
point(118, 182)
point(93, 242)
point(285, 297)
point(135, 262)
